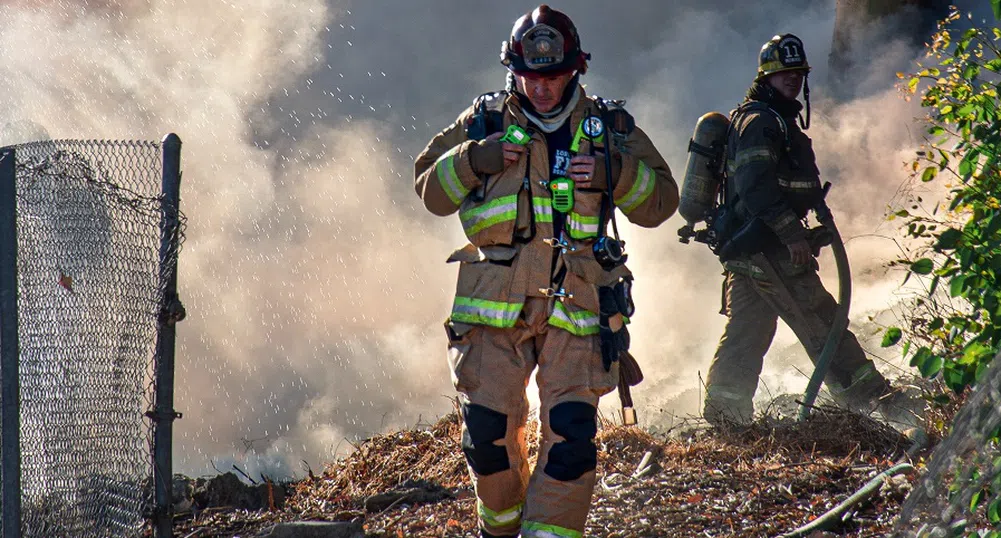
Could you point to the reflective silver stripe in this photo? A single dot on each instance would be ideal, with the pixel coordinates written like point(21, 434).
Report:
point(542, 533)
point(581, 227)
point(799, 185)
point(784, 220)
point(449, 180)
point(718, 392)
point(484, 312)
point(640, 191)
point(502, 518)
point(481, 217)
point(543, 209)
point(753, 154)
point(745, 268)
point(531, 529)
point(580, 323)
point(864, 373)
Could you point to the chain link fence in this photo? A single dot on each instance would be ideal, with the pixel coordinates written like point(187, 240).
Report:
point(96, 248)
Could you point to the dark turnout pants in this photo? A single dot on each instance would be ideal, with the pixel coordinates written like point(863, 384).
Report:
point(753, 307)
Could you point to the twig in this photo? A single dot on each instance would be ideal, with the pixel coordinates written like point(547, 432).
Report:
point(604, 481)
point(644, 467)
point(239, 470)
point(804, 464)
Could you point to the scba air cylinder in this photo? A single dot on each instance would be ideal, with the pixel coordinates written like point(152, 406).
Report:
point(702, 171)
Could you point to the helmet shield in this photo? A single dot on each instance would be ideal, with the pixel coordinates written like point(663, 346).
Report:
point(542, 47)
point(782, 53)
point(544, 43)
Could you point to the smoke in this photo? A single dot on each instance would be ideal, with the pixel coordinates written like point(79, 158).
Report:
point(314, 280)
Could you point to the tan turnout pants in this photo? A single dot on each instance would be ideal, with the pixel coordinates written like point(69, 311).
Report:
point(491, 369)
point(753, 307)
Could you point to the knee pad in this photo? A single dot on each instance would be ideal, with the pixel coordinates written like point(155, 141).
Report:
point(484, 426)
point(570, 459)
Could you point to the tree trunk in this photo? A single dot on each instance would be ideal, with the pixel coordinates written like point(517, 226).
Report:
point(864, 28)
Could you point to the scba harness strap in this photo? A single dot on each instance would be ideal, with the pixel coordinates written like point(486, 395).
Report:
point(615, 300)
point(724, 222)
point(755, 106)
point(488, 115)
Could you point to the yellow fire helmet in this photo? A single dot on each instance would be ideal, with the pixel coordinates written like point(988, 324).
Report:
point(782, 53)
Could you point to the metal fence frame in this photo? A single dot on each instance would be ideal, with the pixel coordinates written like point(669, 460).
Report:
point(162, 415)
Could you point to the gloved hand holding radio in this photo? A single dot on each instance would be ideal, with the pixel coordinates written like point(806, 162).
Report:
point(492, 156)
point(588, 171)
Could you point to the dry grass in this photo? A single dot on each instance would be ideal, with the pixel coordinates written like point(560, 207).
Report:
point(760, 481)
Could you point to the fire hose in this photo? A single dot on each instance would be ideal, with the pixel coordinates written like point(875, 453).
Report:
point(836, 514)
point(840, 323)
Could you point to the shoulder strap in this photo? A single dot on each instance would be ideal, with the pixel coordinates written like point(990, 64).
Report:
point(491, 101)
point(488, 115)
point(617, 120)
point(744, 108)
point(758, 106)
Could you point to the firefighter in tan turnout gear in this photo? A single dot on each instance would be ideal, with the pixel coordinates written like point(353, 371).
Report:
point(535, 173)
point(771, 183)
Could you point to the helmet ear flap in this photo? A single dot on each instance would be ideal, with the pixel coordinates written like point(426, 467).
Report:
point(505, 53)
point(582, 60)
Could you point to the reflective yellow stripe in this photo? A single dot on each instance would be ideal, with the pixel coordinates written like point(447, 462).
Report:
point(503, 209)
point(502, 518)
point(799, 185)
point(543, 208)
point(753, 155)
point(580, 323)
point(449, 180)
point(771, 67)
point(641, 190)
point(531, 529)
point(581, 227)
point(484, 312)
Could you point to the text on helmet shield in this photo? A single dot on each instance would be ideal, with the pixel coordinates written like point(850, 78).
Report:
point(542, 46)
point(791, 51)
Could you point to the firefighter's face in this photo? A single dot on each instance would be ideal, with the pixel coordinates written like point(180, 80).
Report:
point(543, 92)
point(787, 83)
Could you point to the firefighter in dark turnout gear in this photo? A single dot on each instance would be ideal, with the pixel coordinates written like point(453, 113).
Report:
point(772, 182)
point(532, 292)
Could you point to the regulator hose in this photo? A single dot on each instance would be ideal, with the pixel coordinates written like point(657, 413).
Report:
point(840, 315)
point(834, 515)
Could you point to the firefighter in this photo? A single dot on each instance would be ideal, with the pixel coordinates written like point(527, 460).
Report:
point(541, 284)
point(772, 181)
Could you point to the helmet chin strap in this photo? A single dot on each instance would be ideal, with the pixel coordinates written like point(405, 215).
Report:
point(806, 97)
point(569, 96)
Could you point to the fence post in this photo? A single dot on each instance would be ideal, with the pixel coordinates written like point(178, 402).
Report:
point(172, 311)
point(10, 392)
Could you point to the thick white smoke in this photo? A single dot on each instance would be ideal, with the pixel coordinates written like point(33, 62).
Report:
point(314, 280)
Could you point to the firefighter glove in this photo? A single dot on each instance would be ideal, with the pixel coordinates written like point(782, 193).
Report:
point(599, 180)
point(612, 344)
point(487, 156)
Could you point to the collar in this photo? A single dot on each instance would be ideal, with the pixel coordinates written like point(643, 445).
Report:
point(787, 108)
